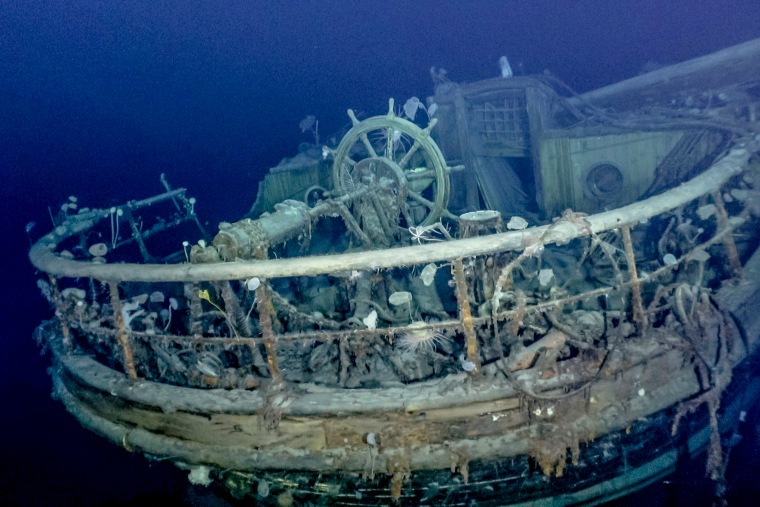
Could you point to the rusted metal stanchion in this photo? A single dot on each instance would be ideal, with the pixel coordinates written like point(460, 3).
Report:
point(465, 315)
point(264, 305)
point(121, 331)
point(190, 291)
point(638, 308)
point(65, 332)
point(728, 239)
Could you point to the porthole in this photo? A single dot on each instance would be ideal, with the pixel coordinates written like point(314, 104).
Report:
point(605, 182)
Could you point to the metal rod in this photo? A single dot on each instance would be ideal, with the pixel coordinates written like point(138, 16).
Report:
point(265, 308)
point(465, 315)
point(728, 239)
point(121, 331)
point(65, 332)
point(638, 309)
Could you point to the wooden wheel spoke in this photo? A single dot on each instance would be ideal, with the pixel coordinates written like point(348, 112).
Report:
point(407, 216)
point(417, 197)
point(420, 175)
point(368, 145)
point(402, 163)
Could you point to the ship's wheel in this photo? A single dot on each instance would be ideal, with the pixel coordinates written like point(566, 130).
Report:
point(395, 158)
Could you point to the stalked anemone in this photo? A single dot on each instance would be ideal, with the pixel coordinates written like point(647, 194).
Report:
point(420, 336)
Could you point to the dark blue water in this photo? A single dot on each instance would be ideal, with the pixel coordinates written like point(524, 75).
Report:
point(97, 99)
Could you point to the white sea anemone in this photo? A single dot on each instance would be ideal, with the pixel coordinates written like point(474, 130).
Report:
point(419, 336)
point(98, 249)
point(428, 274)
point(157, 297)
point(252, 283)
point(402, 298)
point(199, 475)
point(517, 223)
point(411, 106)
point(371, 320)
point(669, 259)
point(506, 69)
point(545, 276)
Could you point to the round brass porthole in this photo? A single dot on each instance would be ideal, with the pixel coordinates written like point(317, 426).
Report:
point(604, 182)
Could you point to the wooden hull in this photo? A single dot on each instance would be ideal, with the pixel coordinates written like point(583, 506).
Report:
point(433, 442)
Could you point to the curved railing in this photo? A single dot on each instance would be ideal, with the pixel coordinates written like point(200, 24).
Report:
point(349, 319)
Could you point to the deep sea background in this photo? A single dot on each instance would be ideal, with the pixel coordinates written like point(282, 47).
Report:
point(97, 98)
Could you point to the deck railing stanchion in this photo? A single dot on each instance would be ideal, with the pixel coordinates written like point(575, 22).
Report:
point(465, 315)
point(265, 308)
point(729, 244)
point(638, 308)
point(121, 331)
point(65, 332)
